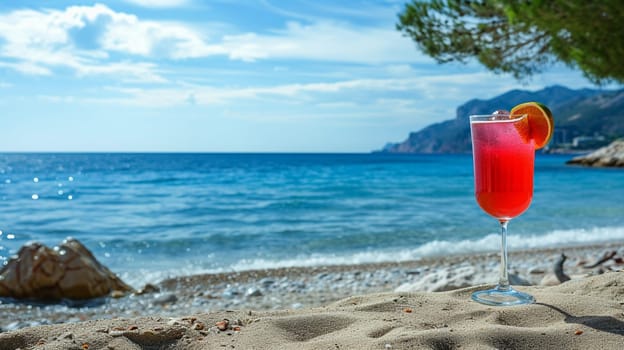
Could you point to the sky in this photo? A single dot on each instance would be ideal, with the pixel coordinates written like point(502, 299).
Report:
point(225, 76)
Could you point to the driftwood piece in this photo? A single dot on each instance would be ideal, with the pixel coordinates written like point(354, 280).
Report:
point(606, 257)
point(561, 276)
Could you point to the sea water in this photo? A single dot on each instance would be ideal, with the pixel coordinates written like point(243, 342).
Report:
point(153, 216)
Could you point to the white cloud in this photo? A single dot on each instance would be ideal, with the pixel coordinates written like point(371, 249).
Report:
point(57, 99)
point(400, 70)
point(129, 35)
point(126, 71)
point(85, 38)
point(27, 68)
point(325, 41)
point(339, 93)
point(81, 38)
point(159, 3)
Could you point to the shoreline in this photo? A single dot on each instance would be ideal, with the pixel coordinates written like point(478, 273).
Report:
point(308, 287)
point(245, 275)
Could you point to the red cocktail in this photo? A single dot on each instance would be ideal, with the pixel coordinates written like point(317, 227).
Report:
point(503, 156)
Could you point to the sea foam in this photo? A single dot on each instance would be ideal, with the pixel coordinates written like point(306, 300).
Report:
point(489, 243)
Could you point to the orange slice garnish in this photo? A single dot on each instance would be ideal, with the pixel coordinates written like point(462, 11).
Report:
point(540, 122)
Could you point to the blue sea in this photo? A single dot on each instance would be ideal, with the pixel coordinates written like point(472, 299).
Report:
point(152, 216)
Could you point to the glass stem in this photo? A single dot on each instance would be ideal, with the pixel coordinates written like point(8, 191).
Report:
point(503, 282)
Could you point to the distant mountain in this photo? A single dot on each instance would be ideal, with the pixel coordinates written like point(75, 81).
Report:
point(583, 118)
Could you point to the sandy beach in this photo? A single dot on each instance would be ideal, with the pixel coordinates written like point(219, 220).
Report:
point(408, 305)
point(580, 314)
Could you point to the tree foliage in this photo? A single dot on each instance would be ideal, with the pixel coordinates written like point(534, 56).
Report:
point(522, 36)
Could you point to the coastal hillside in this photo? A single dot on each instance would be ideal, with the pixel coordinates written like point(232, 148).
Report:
point(584, 119)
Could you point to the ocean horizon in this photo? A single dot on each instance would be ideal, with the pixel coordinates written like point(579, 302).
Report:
point(150, 216)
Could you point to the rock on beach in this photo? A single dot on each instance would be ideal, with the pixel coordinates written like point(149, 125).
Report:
point(68, 271)
point(608, 156)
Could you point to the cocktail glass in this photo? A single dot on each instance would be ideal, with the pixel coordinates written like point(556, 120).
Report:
point(503, 171)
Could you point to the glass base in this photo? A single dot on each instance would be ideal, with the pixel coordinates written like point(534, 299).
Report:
point(502, 297)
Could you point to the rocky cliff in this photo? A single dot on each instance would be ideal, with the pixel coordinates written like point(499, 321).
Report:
point(583, 118)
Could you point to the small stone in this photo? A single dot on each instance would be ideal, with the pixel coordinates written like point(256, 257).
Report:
point(322, 275)
point(408, 310)
point(223, 325)
point(117, 294)
point(148, 288)
point(578, 332)
point(173, 322)
point(165, 299)
point(267, 282)
point(230, 292)
point(253, 292)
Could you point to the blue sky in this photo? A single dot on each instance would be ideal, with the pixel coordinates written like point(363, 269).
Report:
point(225, 76)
